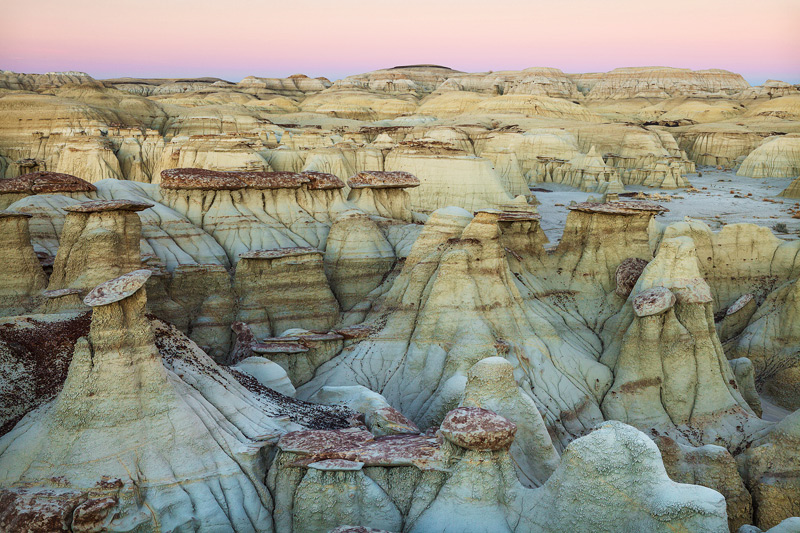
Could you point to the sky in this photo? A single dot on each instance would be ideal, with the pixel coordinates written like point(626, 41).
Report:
point(231, 39)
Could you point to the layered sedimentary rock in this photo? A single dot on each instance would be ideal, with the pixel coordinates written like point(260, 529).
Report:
point(21, 276)
point(771, 341)
point(660, 82)
point(793, 190)
point(256, 210)
point(437, 174)
point(777, 157)
point(710, 466)
point(284, 289)
point(130, 408)
point(464, 479)
point(771, 471)
point(100, 241)
point(357, 257)
point(543, 81)
point(373, 246)
point(588, 172)
point(658, 392)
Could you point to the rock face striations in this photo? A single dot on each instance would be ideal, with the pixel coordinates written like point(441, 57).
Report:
point(297, 305)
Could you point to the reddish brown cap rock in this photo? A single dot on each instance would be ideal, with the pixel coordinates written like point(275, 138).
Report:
point(117, 289)
point(98, 206)
point(374, 179)
point(633, 207)
point(59, 293)
point(653, 301)
point(316, 441)
point(279, 347)
point(739, 304)
point(272, 180)
point(198, 178)
point(45, 182)
point(627, 275)
point(475, 428)
point(422, 451)
point(323, 181)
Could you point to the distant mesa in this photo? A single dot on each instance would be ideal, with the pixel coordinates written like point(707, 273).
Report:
point(422, 65)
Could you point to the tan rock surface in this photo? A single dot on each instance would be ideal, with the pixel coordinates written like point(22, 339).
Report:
point(21, 276)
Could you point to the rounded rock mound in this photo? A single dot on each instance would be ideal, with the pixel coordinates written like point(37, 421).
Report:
point(478, 429)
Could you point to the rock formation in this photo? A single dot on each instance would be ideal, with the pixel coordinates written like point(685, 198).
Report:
point(385, 303)
point(21, 276)
point(793, 190)
point(776, 157)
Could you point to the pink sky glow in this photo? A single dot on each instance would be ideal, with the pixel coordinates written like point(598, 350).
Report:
point(235, 38)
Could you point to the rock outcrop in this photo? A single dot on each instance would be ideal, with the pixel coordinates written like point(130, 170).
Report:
point(21, 276)
point(144, 400)
point(776, 157)
point(283, 289)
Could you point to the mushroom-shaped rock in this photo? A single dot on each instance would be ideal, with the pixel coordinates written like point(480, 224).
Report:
point(477, 429)
point(118, 288)
point(383, 180)
point(653, 301)
point(100, 206)
point(627, 275)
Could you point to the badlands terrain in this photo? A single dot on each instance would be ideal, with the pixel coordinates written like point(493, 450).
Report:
point(410, 300)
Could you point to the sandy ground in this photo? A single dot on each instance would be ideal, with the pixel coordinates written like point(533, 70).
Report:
point(722, 199)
